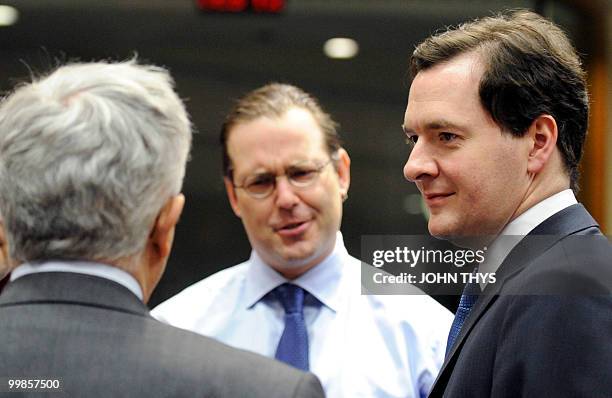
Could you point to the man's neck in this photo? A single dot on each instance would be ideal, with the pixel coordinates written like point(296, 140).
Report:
point(83, 267)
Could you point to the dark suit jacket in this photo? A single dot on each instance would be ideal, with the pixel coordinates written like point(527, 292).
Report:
point(100, 340)
point(545, 328)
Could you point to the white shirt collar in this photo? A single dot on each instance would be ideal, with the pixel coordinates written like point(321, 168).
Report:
point(536, 215)
point(322, 280)
point(81, 267)
point(516, 229)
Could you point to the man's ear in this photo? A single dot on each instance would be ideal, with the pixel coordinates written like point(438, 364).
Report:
point(162, 234)
point(4, 258)
point(159, 245)
point(343, 169)
point(542, 135)
point(231, 195)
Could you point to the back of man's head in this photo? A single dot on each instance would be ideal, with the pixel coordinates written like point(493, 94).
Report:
point(89, 154)
point(531, 69)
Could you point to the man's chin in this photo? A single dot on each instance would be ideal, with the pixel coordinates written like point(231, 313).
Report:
point(295, 259)
point(445, 232)
point(460, 237)
point(440, 229)
point(293, 265)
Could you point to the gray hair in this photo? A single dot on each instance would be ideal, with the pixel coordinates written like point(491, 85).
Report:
point(89, 154)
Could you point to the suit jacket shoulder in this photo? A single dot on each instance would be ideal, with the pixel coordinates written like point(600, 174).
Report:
point(100, 340)
point(545, 328)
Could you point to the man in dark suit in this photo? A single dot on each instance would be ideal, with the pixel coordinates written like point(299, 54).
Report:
point(497, 115)
point(92, 159)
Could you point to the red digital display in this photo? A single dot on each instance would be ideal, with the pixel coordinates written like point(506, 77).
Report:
point(236, 6)
point(267, 5)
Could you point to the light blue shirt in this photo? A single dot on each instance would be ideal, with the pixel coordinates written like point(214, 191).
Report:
point(81, 267)
point(359, 345)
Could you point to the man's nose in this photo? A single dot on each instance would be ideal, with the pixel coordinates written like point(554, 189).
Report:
point(420, 164)
point(286, 197)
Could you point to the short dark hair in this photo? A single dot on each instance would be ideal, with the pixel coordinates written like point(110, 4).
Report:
point(531, 69)
point(274, 100)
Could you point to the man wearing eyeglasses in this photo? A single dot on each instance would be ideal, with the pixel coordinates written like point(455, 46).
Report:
point(298, 298)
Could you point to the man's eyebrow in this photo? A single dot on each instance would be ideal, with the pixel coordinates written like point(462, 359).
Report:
point(435, 125)
point(442, 124)
point(407, 130)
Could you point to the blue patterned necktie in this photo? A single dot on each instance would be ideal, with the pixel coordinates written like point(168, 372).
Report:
point(293, 345)
point(469, 296)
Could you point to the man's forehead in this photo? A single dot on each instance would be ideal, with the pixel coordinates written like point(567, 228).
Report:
point(295, 123)
point(276, 142)
point(464, 70)
point(444, 96)
point(289, 147)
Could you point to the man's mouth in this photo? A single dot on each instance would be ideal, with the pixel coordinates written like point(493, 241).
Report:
point(292, 228)
point(436, 198)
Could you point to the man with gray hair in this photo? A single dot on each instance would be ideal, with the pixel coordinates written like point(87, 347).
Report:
point(92, 159)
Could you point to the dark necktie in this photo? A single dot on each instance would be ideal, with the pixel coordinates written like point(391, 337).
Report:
point(293, 345)
point(469, 296)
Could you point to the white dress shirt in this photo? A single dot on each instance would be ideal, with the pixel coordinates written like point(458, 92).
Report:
point(516, 230)
point(81, 267)
point(359, 345)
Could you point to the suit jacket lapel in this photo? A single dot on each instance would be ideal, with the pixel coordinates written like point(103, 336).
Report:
point(67, 287)
point(568, 221)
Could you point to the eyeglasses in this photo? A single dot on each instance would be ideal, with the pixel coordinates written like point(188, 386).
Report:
point(261, 185)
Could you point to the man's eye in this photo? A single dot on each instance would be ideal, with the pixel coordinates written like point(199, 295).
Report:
point(447, 136)
point(301, 175)
point(260, 181)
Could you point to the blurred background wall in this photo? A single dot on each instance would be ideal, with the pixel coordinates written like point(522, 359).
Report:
point(216, 57)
